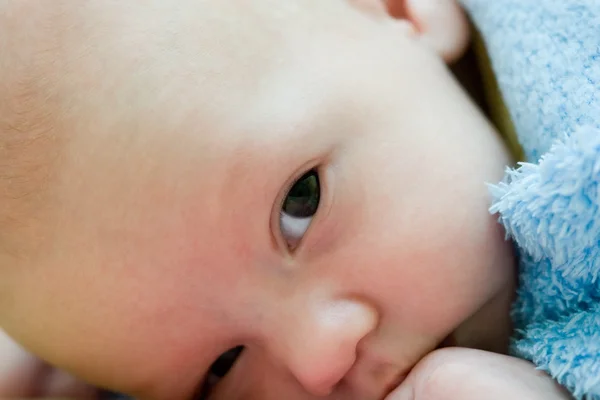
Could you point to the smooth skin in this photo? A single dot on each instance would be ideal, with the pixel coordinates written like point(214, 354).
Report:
point(448, 374)
point(147, 237)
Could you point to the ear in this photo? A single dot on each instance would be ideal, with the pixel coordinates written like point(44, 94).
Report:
point(440, 24)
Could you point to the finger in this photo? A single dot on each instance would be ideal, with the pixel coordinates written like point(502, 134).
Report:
point(61, 384)
point(19, 370)
point(24, 376)
point(465, 374)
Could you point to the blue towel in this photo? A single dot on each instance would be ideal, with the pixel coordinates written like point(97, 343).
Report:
point(545, 55)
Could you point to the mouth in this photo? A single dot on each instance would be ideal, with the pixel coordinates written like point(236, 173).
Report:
point(449, 341)
point(393, 385)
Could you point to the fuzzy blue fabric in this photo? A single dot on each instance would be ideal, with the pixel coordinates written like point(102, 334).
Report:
point(545, 55)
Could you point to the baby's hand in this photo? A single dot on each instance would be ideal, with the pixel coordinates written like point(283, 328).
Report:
point(24, 376)
point(465, 374)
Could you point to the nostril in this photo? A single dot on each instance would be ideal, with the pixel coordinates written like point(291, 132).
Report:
point(323, 388)
point(322, 377)
point(321, 348)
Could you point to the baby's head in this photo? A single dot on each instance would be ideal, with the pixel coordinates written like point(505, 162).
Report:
point(303, 178)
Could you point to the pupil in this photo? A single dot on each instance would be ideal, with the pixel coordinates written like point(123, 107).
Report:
point(302, 200)
point(221, 367)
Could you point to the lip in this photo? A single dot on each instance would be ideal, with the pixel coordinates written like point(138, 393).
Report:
point(448, 341)
point(390, 387)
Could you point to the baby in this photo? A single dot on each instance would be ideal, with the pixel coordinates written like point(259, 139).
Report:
point(300, 181)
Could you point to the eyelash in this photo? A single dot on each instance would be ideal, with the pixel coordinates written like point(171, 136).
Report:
point(217, 371)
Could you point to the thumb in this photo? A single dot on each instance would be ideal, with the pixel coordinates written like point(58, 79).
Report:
point(466, 374)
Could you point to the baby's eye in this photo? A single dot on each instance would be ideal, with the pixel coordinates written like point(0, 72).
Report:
point(299, 207)
point(219, 369)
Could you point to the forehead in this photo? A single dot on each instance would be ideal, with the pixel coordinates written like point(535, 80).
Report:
point(193, 86)
point(209, 60)
point(257, 74)
point(195, 62)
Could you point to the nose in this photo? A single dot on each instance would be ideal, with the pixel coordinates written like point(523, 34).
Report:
point(319, 344)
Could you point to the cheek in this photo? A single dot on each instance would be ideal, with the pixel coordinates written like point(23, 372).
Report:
point(447, 281)
point(423, 244)
point(122, 307)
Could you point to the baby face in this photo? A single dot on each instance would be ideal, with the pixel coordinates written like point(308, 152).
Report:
point(304, 179)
